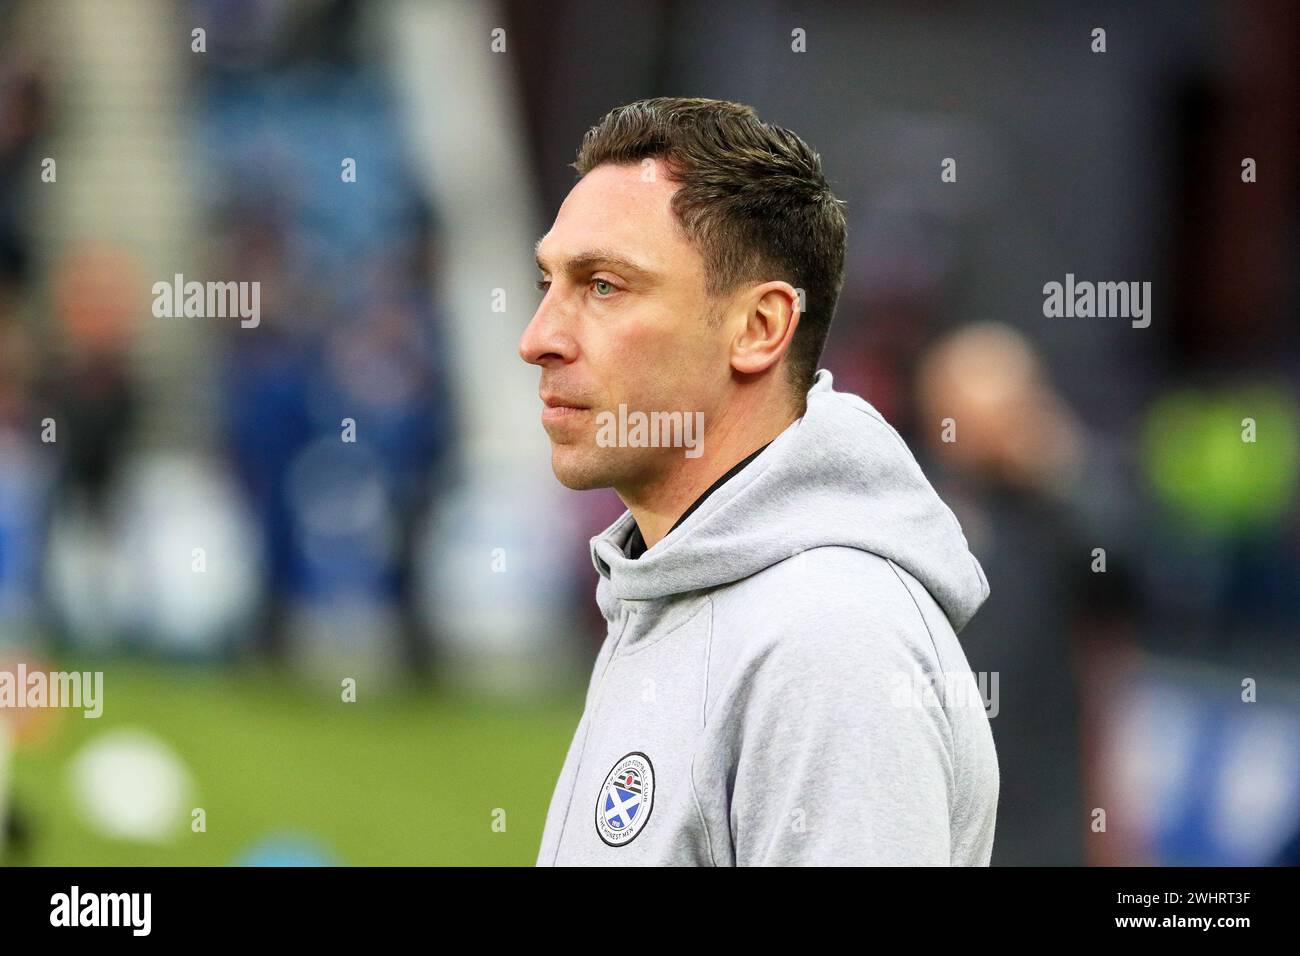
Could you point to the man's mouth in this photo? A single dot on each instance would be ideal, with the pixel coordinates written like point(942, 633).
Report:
point(556, 408)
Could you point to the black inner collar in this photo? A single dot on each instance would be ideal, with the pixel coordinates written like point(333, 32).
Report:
point(636, 543)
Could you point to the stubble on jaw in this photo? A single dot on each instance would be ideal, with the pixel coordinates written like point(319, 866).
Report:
point(589, 467)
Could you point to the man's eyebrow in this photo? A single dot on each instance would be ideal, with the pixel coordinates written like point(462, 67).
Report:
point(592, 258)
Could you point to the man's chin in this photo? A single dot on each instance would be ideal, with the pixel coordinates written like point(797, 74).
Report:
point(578, 470)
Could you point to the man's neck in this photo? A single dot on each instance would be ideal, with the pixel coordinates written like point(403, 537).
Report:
point(656, 507)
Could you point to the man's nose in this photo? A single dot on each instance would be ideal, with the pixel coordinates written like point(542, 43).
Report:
point(546, 339)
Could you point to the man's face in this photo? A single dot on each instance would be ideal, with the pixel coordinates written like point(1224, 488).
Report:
point(624, 320)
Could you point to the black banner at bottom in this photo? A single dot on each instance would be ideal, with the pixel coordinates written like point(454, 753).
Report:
point(335, 904)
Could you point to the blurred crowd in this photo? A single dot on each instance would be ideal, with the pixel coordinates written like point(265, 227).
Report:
point(349, 330)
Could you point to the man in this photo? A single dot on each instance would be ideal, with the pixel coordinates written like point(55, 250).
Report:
point(781, 682)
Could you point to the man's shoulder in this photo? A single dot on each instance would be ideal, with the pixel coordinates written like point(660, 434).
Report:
point(834, 603)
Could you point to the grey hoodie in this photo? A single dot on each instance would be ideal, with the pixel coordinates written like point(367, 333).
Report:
point(781, 682)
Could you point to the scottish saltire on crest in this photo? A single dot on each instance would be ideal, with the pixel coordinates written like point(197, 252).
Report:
point(625, 800)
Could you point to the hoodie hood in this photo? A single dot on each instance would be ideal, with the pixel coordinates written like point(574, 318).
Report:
point(839, 476)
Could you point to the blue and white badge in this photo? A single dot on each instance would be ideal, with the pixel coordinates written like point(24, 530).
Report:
point(626, 799)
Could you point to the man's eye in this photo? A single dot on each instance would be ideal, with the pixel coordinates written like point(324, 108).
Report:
point(608, 290)
point(543, 284)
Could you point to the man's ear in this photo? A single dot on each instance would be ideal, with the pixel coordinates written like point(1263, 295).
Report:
point(771, 315)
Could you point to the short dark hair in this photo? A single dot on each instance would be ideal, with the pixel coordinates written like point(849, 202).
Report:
point(752, 197)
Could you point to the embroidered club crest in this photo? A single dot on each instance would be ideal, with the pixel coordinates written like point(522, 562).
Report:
point(626, 799)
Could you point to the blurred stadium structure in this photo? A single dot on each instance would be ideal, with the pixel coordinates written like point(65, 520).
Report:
point(437, 561)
